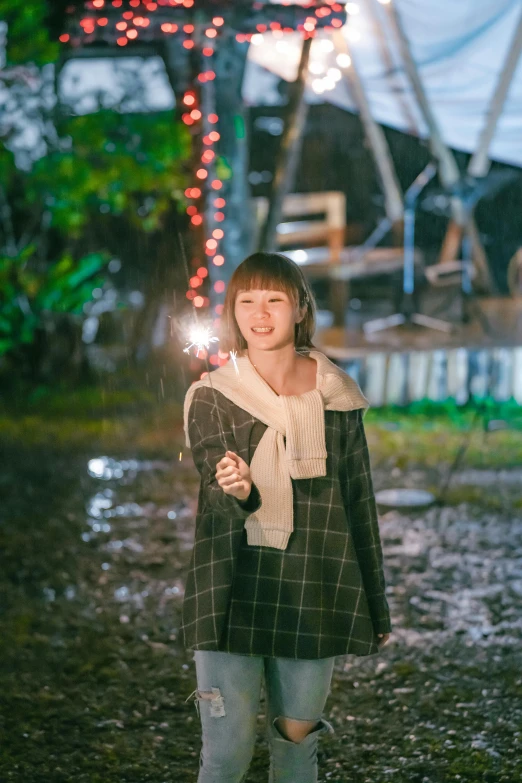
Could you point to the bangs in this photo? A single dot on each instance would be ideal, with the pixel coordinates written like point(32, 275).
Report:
point(265, 277)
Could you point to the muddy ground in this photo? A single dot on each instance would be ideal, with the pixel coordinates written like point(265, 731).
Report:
point(96, 527)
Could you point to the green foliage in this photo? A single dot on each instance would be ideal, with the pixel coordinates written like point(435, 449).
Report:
point(28, 297)
point(96, 167)
point(117, 164)
point(28, 38)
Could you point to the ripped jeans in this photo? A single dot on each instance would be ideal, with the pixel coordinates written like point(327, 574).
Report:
point(227, 698)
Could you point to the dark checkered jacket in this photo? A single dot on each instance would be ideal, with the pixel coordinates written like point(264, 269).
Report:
point(324, 595)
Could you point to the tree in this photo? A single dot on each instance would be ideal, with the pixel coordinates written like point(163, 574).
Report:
point(68, 182)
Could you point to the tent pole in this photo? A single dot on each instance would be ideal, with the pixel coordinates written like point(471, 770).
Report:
point(295, 120)
point(448, 169)
point(480, 162)
point(393, 198)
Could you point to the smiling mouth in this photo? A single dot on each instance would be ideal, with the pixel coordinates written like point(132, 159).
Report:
point(262, 330)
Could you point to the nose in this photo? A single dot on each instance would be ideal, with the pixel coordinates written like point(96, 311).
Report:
point(260, 310)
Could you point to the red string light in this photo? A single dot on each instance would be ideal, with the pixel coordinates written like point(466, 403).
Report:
point(195, 118)
point(194, 115)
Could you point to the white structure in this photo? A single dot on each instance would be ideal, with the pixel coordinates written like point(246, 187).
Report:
point(459, 46)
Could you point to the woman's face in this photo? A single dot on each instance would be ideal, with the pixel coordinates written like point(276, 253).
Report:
point(266, 319)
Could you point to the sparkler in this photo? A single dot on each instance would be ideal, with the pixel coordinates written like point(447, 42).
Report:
point(201, 337)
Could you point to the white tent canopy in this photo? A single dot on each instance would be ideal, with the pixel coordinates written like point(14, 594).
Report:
point(459, 47)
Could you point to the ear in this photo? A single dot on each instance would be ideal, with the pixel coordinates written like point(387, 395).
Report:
point(301, 312)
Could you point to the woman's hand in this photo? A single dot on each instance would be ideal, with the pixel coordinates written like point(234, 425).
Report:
point(233, 476)
point(383, 638)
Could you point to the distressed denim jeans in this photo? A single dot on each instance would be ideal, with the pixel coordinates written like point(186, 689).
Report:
point(227, 699)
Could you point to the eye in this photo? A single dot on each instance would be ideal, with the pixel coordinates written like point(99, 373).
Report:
point(272, 299)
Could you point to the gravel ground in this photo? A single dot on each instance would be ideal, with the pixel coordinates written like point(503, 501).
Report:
point(94, 681)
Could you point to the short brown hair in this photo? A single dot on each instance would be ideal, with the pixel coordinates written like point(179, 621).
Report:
point(268, 271)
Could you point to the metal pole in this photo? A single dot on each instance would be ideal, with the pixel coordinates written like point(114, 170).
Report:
point(288, 152)
point(480, 163)
point(412, 195)
point(376, 138)
point(448, 169)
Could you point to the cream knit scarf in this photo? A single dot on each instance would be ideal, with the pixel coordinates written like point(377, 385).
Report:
point(300, 418)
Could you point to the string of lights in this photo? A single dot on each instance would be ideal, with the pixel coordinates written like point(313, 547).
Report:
point(197, 25)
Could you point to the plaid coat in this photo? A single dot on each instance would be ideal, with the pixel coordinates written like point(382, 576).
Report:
point(324, 595)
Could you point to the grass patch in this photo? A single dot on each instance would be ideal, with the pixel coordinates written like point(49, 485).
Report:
point(127, 414)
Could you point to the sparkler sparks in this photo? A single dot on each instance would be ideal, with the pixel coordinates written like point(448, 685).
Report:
point(233, 355)
point(201, 337)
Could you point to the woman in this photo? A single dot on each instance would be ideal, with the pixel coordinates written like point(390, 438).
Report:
point(286, 571)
